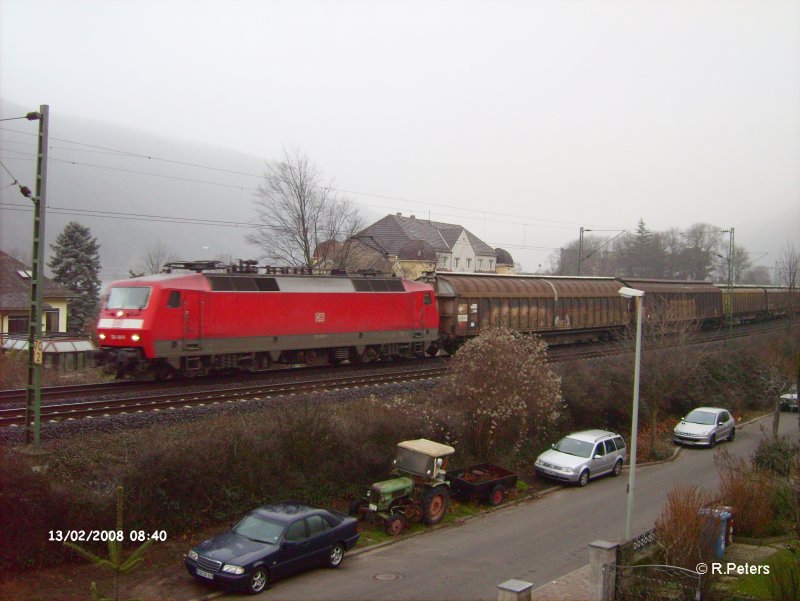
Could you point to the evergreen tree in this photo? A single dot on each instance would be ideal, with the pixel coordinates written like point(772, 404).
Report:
point(75, 265)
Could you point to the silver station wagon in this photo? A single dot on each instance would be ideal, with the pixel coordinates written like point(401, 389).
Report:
point(583, 455)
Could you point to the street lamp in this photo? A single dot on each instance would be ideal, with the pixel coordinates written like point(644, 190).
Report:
point(638, 295)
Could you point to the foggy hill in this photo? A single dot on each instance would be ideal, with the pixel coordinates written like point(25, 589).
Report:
point(143, 199)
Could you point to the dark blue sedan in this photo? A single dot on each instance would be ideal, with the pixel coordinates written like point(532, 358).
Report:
point(270, 542)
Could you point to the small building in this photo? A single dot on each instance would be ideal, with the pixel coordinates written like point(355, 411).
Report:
point(60, 350)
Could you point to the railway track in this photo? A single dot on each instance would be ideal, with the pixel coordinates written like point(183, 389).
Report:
point(166, 396)
point(176, 400)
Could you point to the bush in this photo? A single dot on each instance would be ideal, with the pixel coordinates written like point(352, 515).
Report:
point(750, 492)
point(784, 579)
point(32, 505)
point(684, 535)
point(776, 455)
point(501, 393)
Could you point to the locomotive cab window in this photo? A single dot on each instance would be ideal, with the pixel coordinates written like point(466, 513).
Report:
point(129, 297)
point(174, 299)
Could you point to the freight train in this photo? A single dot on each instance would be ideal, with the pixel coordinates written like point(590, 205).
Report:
point(212, 320)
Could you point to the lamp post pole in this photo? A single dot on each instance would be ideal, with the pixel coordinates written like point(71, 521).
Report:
point(637, 295)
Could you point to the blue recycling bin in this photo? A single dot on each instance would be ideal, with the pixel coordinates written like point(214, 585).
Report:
point(718, 528)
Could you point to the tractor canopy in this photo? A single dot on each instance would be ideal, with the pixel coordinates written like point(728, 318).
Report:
point(422, 457)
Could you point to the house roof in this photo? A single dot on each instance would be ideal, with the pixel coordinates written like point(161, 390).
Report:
point(15, 285)
point(393, 231)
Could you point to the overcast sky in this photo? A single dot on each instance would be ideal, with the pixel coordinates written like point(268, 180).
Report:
point(521, 120)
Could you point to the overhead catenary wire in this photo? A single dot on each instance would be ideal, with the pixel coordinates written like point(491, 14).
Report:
point(479, 213)
point(24, 190)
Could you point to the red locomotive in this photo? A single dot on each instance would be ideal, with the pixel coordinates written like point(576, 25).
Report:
point(203, 322)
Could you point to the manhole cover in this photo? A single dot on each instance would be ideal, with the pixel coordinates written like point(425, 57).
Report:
point(386, 576)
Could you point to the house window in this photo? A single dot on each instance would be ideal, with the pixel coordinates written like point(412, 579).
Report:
point(480, 264)
point(469, 263)
point(443, 261)
point(455, 263)
point(491, 265)
point(51, 320)
point(17, 324)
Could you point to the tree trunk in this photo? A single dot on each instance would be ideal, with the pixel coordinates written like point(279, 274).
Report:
point(653, 423)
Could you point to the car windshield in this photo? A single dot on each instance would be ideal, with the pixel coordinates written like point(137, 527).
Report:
point(259, 529)
point(129, 297)
point(704, 418)
point(573, 446)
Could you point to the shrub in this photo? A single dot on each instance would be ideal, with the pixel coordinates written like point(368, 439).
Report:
point(503, 393)
point(784, 579)
point(31, 505)
point(750, 492)
point(775, 455)
point(685, 536)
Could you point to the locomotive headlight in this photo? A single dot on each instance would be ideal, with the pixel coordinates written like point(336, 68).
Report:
point(101, 336)
point(120, 313)
point(135, 337)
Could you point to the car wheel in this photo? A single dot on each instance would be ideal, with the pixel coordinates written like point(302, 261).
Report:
point(732, 435)
point(336, 556)
point(712, 441)
point(258, 581)
point(497, 496)
point(617, 468)
point(583, 479)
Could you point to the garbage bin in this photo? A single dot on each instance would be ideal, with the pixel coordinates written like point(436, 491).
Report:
point(717, 528)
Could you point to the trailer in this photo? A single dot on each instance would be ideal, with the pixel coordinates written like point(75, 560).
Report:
point(485, 481)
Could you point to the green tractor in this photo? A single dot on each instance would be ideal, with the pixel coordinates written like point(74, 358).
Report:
point(420, 492)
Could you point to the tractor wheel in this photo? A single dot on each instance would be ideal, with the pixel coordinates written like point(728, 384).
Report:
point(395, 524)
point(434, 504)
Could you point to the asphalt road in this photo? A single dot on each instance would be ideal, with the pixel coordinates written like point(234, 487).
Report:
point(536, 541)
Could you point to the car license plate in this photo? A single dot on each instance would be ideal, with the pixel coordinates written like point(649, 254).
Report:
point(205, 574)
point(373, 507)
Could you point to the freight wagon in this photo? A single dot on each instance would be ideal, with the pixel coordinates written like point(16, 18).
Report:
point(562, 309)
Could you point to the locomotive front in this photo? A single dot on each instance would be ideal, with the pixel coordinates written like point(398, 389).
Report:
point(123, 329)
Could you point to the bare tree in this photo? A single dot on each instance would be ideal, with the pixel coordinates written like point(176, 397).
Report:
point(702, 241)
point(757, 275)
point(670, 356)
point(787, 273)
point(155, 257)
point(297, 212)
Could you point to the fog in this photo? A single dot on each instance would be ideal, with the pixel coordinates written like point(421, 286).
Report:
point(523, 121)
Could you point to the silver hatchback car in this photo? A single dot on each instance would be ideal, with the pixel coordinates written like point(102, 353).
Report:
point(705, 426)
point(583, 455)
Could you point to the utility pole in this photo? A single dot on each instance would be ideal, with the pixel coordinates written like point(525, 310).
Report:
point(580, 249)
point(731, 250)
point(33, 391)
